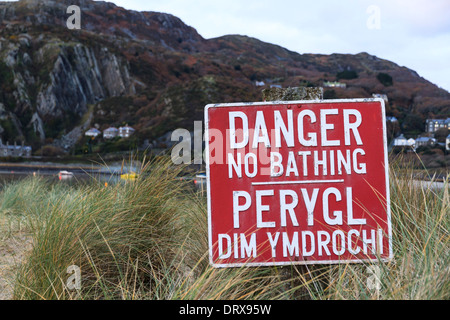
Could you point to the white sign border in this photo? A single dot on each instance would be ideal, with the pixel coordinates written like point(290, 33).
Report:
point(299, 262)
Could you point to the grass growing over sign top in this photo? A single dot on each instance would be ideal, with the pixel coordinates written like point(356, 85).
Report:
point(147, 239)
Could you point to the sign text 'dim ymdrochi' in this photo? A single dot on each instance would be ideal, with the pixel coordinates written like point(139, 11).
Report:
point(297, 182)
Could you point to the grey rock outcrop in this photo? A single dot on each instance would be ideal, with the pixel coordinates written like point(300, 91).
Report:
point(78, 76)
point(81, 77)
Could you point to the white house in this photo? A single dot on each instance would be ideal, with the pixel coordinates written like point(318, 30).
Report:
point(447, 143)
point(93, 132)
point(432, 125)
point(425, 141)
point(110, 133)
point(391, 119)
point(15, 150)
point(126, 132)
point(401, 141)
point(335, 84)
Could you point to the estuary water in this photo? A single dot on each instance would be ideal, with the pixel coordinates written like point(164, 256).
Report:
point(67, 174)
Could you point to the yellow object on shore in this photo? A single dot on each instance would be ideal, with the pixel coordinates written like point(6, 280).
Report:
point(129, 176)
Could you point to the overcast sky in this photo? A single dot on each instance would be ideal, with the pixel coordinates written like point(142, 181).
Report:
point(411, 33)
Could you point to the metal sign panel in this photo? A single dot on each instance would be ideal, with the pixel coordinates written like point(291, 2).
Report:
point(297, 182)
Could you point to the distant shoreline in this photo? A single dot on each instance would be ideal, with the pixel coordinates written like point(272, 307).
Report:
point(49, 166)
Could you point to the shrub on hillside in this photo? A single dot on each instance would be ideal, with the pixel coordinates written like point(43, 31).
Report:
point(347, 75)
point(385, 79)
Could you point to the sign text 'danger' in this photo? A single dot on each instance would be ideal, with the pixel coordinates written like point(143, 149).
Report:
point(297, 182)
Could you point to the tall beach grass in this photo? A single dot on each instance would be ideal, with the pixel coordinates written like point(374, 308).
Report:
point(147, 239)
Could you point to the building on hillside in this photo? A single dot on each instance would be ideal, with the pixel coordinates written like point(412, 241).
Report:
point(93, 132)
point(425, 141)
point(401, 141)
point(15, 150)
point(412, 142)
point(433, 125)
point(447, 143)
point(382, 96)
point(259, 83)
point(391, 119)
point(110, 133)
point(126, 132)
point(335, 84)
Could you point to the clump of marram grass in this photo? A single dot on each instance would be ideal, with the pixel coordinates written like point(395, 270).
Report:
point(22, 201)
point(117, 235)
point(143, 239)
point(421, 226)
point(191, 277)
point(21, 196)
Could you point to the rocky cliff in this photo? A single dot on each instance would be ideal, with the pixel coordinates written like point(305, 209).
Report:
point(152, 71)
point(44, 77)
